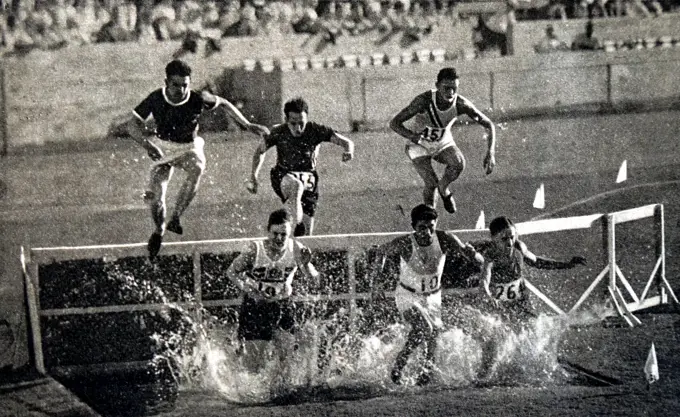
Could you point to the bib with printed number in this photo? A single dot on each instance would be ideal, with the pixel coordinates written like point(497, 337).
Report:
point(274, 276)
point(273, 289)
point(423, 272)
point(307, 179)
point(509, 292)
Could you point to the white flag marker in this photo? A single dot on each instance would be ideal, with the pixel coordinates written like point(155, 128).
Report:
point(480, 221)
point(539, 200)
point(652, 366)
point(623, 172)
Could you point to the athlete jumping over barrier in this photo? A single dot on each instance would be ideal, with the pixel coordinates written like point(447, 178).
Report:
point(430, 138)
point(176, 110)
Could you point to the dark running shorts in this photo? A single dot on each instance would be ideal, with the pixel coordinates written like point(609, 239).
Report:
point(258, 320)
point(310, 198)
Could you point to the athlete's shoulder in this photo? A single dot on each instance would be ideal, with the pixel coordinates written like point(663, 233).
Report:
point(318, 127)
point(423, 98)
point(397, 245)
point(156, 96)
point(279, 130)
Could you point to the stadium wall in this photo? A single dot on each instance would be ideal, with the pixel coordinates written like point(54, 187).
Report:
point(523, 36)
point(77, 107)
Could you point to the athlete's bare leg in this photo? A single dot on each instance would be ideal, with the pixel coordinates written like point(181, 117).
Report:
point(194, 166)
point(308, 221)
point(421, 332)
point(454, 160)
point(155, 196)
point(423, 165)
point(292, 189)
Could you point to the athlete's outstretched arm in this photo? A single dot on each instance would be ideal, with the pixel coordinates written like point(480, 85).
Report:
point(541, 262)
point(468, 108)
point(234, 113)
point(406, 114)
point(258, 159)
point(469, 251)
point(346, 144)
point(486, 278)
point(303, 257)
point(239, 270)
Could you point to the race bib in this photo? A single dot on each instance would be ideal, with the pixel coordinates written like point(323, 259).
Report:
point(512, 291)
point(433, 134)
point(429, 284)
point(273, 289)
point(307, 179)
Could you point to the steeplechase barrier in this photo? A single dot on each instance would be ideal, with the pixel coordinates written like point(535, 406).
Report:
point(62, 283)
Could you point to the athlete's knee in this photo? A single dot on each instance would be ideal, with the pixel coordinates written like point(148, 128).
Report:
point(196, 169)
point(291, 187)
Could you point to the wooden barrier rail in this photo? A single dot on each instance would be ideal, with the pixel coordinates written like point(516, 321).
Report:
point(354, 245)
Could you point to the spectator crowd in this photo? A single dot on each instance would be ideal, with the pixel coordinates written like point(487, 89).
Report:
point(54, 24)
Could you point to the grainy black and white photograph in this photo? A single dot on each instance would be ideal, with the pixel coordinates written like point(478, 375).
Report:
point(339, 208)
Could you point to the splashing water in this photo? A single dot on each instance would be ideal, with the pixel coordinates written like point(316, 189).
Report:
point(332, 352)
point(331, 356)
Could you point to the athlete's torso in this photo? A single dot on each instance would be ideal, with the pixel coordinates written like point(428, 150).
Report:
point(175, 122)
point(507, 282)
point(422, 272)
point(434, 118)
point(275, 276)
point(298, 153)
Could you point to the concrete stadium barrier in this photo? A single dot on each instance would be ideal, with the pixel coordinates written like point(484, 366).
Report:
point(523, 36)
point(82, 89)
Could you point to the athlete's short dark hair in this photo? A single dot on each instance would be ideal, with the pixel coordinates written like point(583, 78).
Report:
point(499, 224)
point(280, 216)
point(177, 67)
point(448, 73)
point(423, 212)
point(296, 105)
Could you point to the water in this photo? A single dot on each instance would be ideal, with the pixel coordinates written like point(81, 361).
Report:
point(328, 356)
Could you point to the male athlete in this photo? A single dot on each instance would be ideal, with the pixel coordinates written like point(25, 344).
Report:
point(294, 178)
point(420, 257)
point(176, 110)
point(264, 271)
point(503, 279)
point(434, 113)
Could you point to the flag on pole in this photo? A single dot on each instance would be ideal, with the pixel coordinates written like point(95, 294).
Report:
point(623, 172)
point(480, 221)
point(539, 200)
point(652, 366)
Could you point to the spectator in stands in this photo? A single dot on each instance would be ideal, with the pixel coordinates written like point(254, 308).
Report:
point(6, 43)
point(360, 21)
point(90, 17)
point(550, 43)
point(330, 25)
point(640, 8)
point(286, 13)
point(269, 18)
point(305, 18)
point(18, 37)
point(373, 13)
point(586, 41)
point(145, 31)
point(248, 25)
point(230, 15)
point(41, 28)
point(122, 26)
point(163, 18)
point(211, 19)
